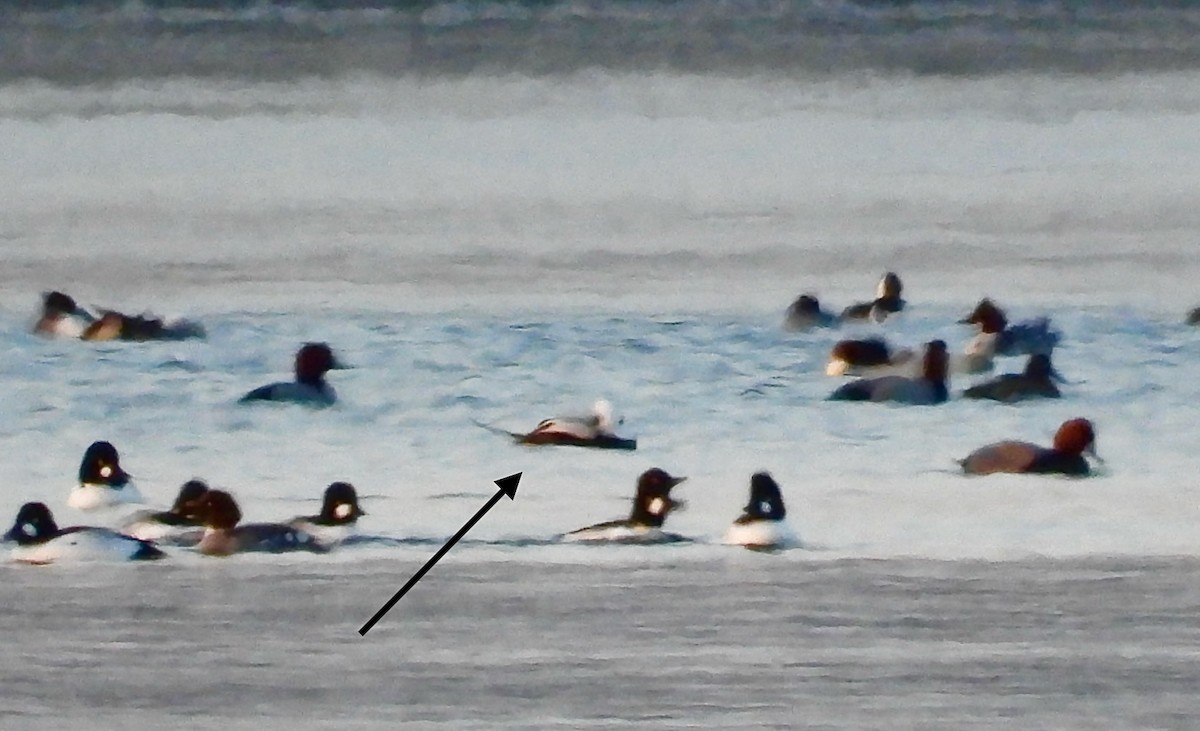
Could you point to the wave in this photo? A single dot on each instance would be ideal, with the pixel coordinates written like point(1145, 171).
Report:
point(82, 42)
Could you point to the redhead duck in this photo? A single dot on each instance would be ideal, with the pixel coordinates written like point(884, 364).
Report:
point(1074, 438)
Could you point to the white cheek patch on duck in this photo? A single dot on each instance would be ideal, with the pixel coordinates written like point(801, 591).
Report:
point(29, 529)
point(765, 508)
point(343, 510)
point(106, 471)
point(656, 506)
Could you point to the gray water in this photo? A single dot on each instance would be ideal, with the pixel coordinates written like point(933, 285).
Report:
point(651, 641)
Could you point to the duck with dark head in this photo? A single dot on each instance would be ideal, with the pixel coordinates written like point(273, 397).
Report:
point(888, 301)
point(928, 389)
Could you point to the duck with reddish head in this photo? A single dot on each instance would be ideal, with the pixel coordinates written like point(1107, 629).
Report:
point(762, 524)
point(652, 503)
point(178, 526)
point(220, 514)
point(61, 317)
point(39, 540)
point(102, 482)
point(1074, 439)
point(806, 313)
point(927, 389)
point(887, 301)
point(1024, 338)
point(338, 517)
point(1036, 381)
point(310, 388)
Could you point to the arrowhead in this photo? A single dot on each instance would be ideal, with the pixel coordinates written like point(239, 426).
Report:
point(508, 485)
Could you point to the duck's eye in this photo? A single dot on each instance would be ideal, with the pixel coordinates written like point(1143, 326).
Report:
point(656, 506)
point(106, 471)
point(343, 510)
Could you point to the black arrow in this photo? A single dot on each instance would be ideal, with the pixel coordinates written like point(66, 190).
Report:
point(508, 486)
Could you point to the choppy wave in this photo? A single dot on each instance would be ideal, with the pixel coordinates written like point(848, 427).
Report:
point(80, 42)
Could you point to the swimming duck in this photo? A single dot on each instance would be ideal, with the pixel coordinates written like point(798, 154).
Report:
point(220, 514)
point(806, 313)
point(339, 514)
point(313, 361)
point(39, 540)
point(929, 388)
point(102, 482)
point(1024, 338)
point(178, 526)
point(1036, 381)
point(887, 301)
point(594, 430)
point(61, 317)
point(651, 505)
point(762, 524)
point(869, 356)
point(1074, 439)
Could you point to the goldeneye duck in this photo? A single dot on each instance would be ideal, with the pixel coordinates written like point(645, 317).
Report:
point(102, 482)
point(593, 430)
point(179, 526)
point(651, 506)
point(313, 361)
point(762, 524)
point(61, 317)
point(114, 325)
point(806, 313)
point(1036, 381)
point(1024, 338)
point(1193, 317)
point(39, 540)
point(887, 301)
point(928, 389)
point(1073, 439)
point(339, 514)
point(220, 514)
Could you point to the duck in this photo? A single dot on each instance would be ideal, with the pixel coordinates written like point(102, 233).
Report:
point(806, 313)
point(927, 389)
point(220, 514)
point(593, 430)
point(40, 541)
point(1024, 338)
point(178, 526)
point(652, 503)
point(1036, 381)
point(887, 301)
point(1193, 317)
point(762, 524)
point(102, 482)
point(1074, 438)
point(339, 514)
point(114, 325)
point(313, 361)
point(61, 317)
point(873, 356)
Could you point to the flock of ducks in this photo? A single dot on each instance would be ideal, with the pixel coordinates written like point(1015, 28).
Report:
point(203, 519)
point(209, 521)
